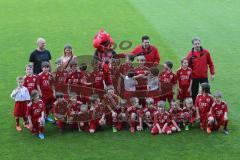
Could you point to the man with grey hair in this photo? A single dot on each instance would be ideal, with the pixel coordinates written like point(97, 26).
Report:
point(39, 55)
point(199, 60)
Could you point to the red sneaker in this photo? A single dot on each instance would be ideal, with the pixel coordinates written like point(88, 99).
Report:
point(26, 126)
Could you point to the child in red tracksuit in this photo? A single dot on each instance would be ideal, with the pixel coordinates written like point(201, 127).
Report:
point(30, 80)
point(122, 115)
point(21, 97)
point(97, 114)
point(74, 108)
point(36, 115)
point(149, 114)
point(60, 109)
point(85, 85)
point(203, 104)
point(133, 112)
point(45, 86)
point(184, 79)
point(97, 77)
point(168, 82)
point(111, 101)
point(218, 114)
point(142, 82)
point(161, 120)
point(73, 78)
point(60, 76)
point(189, 112)
point(176, 113)
point(114, 69)
point(84, 117)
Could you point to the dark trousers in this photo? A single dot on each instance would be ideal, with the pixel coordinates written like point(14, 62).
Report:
point(195, 86)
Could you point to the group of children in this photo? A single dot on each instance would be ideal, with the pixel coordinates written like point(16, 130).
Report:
point(115, 94)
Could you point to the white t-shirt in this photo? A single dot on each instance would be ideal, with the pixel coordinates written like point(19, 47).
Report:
point(129, 84)
point(153, 83)
point(21, 94)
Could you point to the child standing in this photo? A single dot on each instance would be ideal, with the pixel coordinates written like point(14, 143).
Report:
point(168, 79)
point(21, 97)
point(153, 85)
point(130, 84)
point(60, 76)
point(203, 104)
point(123, 71)
point(184, 79)
point(46, 88)
point(30, 80)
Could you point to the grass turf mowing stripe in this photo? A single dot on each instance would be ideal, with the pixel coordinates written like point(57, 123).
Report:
point(216, 26)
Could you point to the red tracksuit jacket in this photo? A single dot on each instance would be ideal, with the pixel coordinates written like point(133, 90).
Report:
point(151, 54)
point(200, 64)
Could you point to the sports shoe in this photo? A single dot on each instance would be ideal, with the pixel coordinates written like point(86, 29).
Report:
point(209, 130)
point(225, 131)
point(49, 119)
point(41, 136)
point(26, 126)
point(186, 128)
point(18, 128)
point(114, 129)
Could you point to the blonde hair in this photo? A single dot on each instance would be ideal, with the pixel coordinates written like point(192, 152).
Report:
point(188, 100)
point(19, 78)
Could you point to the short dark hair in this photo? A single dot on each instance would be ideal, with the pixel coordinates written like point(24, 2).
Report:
point(145, 37)
point(130, 73)
point(59, 95)
point(154, 71)
point(169, 64)
point(83, 67)
point(205, 87)
point(45, 64)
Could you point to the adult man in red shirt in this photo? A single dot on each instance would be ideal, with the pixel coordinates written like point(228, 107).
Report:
point(199, 60)
point(150, 52)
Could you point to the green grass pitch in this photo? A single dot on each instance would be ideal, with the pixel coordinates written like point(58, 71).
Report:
point(170, 24)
